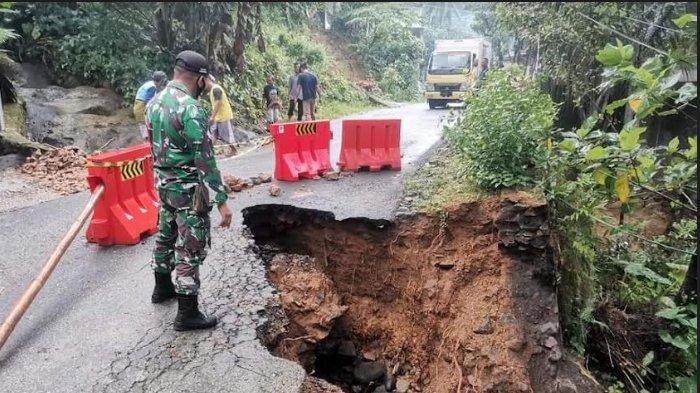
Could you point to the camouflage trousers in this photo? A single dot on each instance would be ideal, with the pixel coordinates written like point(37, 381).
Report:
point(182, 240)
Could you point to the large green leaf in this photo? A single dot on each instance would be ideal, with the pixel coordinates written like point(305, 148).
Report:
point(692, 152)
point(684, 19)
point(596, 153)
point(686, 93)
point(567, 145)
point(639, 270)
point(629, 138)
point(673, 145)
point(646, 162)
point(675, 341)
point(609, 56)
point(610, 108)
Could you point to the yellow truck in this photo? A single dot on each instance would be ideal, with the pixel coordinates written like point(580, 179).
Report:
point(451, 68)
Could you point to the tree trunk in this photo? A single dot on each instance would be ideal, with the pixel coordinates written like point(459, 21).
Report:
point(164, 22)
point(688, 292)
point(258, 28)
point(244, 30)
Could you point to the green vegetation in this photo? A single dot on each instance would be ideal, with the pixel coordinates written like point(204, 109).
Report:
point(503, 131)
point(284, 47)
point(440, 182)
point(574, 122)
point(119, 45)
point(382, 38)
point(605, 162)
point(336, 109)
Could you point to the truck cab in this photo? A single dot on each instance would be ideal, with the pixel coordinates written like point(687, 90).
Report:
point(451, 69)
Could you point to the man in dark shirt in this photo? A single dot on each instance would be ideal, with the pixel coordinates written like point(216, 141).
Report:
point(272, 105)
point(309, 91)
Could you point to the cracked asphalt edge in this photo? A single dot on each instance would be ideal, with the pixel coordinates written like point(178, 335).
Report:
point(228, 357)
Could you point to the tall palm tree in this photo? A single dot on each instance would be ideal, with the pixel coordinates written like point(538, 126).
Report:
point(7, 90)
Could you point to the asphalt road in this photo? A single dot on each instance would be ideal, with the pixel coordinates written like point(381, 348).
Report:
point(93, 328)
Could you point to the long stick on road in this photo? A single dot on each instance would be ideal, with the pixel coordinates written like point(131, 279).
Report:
point(28, 297)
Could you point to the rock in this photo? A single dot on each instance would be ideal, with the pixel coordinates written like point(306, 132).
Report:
point(515, 344)
point(555, 355)
point(550, 342)
point(367, 372)
point(11, 161)
point(256, 180)
point(402, 384)
point(548, 328)
point(389, 381)
point(486, 328)
point(265, 177)
point(331, 175)
point(445, 265)
point(275, 191)
point(347, 348)
point(369, 355)
point(238, 187)
point(522, 387)
point(565, 386)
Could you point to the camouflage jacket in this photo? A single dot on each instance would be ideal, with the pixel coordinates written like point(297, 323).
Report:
point(183, 155)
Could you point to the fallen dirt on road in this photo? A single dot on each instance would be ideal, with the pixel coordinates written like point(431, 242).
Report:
point(457, 301)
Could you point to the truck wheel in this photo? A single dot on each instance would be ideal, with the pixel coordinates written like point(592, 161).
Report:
point(432, 104)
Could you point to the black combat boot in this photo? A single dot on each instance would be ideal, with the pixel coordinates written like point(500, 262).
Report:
point(164, 288)
point(188, 315)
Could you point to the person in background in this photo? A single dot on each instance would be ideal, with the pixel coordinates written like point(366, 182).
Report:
point(271, 98)
point(309, 91)
point(144, 94)
point(477, 74)
point(484, 68)
point(295, 102)
point(221, 115)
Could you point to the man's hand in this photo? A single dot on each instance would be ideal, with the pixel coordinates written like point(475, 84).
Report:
point(225, 215)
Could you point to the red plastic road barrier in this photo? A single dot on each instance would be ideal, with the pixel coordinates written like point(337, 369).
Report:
point(371, 143)
point(301, 149)
point(129, 206)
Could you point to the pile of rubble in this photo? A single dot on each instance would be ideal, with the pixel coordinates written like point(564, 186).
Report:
point(336, 175)
point(237, 184)
point(62, 170)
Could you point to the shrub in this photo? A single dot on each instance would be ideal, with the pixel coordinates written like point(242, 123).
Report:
point(502, 131)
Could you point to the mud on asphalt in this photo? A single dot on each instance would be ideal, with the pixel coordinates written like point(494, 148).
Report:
point(462, 300)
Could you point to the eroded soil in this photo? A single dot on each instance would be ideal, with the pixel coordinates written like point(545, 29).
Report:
point(457, 301)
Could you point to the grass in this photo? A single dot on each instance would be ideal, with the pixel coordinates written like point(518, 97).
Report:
point(336, 109)
point(441, 182)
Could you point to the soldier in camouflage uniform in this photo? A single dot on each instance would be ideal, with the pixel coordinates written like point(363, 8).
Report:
point(186, 177)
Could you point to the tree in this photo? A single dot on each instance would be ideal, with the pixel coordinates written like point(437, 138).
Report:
point(569, 35)
point(248, 28)
point(7, 89)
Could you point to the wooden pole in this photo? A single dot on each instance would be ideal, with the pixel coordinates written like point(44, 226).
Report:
point(28, 297)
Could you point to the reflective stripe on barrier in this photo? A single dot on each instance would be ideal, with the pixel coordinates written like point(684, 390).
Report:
point(373, 144)
point(129, 207)
point(302, 150)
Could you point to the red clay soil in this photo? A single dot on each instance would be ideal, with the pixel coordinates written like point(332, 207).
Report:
point(435, 297)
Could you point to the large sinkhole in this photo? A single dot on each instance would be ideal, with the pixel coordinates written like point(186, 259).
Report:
point(456, 301)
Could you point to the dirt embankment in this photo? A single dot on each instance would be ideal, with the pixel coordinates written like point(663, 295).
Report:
point(461, 301)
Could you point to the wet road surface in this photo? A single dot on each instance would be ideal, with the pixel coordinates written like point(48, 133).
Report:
point(93, 328)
